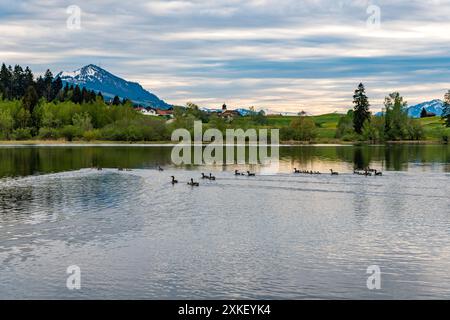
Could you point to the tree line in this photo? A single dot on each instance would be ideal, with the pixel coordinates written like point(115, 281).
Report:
point(19, 84)
point(44, 108)
point(393, 123)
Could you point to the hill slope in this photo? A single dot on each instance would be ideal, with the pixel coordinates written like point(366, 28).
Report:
point(95, 78)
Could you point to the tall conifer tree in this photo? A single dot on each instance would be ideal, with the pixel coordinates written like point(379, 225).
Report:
point(361, 110)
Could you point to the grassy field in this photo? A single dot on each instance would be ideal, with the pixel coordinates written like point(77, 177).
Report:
point(433, 127)
point(327, 124)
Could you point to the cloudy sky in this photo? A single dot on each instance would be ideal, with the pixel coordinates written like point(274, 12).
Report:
point(274, 54)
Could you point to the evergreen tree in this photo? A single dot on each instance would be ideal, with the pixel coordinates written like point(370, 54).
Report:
point(361, 110)
point(28, 77)
point(30, 99)
point(40, 86)
point(446, 110)
point(423, 113)
point(116, 101)
point(76, 96)
point(18, 89)
point(92, 96)
point(48, 80)
point(5, 82)
point(84, 95)
point(66, 91)
point(56, 86)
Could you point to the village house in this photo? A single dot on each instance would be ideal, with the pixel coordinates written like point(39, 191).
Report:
point(165, 113)
point(228, 114)
point(147, 111)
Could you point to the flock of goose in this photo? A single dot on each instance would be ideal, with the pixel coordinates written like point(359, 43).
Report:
point(209, 177)
point(306, 171)
point(368, 172)
point(364, 172)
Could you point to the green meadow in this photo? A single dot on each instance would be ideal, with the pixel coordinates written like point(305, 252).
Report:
point(326, 125)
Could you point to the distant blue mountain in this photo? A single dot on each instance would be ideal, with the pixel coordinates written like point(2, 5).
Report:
point(241, 111)
point(95, 78)
point(205, 109)
point(434, 106)
point(245, 112)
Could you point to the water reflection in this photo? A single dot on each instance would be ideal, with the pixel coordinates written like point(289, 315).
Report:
point(23, 161)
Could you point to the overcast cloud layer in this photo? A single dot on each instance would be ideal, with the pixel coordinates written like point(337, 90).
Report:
point(278, 54)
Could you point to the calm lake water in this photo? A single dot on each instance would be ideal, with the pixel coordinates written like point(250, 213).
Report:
point(273, 236)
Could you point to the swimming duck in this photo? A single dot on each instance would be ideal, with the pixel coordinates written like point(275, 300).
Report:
point(367, 173)
point(193, 184)
point(334, 173)
point(173, 180)
point(211, 177)
point(250, 174)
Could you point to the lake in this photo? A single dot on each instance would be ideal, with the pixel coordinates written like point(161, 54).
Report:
point(274, 236)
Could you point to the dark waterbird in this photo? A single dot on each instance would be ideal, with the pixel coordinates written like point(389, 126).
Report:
point(237, 173)
point(160, 169)
point(211, 177)
point(334, 173)
point(250, 174)
point(193, 184)
point(173, 180)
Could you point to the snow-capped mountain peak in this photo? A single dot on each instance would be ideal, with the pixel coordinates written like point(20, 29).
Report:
point(434, 106)
point(87, 72)
point(95, 78)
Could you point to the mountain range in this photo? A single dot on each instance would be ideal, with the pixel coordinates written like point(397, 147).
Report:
point(95, 78)
point(434, 106)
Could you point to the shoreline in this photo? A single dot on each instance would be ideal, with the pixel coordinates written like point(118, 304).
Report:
point(166, 143)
